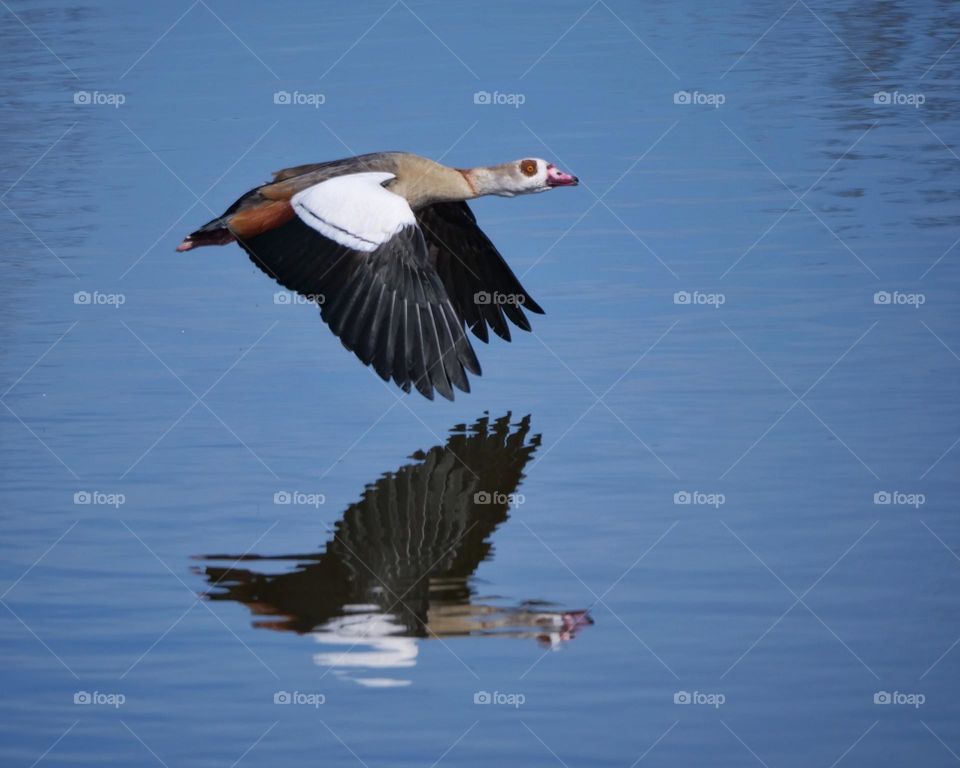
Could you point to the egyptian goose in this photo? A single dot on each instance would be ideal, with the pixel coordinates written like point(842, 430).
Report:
point(387, 246)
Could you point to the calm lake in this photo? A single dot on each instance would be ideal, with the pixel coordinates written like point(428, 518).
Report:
point(702, 514)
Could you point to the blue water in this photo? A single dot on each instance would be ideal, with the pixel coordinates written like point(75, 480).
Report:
point(708, 337)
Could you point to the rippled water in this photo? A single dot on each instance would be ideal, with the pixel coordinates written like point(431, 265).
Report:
point(707, 510)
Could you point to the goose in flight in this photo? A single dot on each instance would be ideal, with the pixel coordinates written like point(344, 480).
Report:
point(388, 248)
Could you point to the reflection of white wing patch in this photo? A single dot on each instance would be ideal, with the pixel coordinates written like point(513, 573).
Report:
point(354, 210)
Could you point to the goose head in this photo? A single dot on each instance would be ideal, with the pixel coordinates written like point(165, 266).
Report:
point(520, 177)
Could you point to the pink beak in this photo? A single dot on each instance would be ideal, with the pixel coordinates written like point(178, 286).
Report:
point(557, 178)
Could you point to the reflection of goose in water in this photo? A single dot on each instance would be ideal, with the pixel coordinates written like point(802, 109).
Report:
point(399, 565)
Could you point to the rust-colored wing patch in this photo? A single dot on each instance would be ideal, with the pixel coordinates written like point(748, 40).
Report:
point(261, 218)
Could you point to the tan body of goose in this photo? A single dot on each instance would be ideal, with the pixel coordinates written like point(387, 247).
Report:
point(387, 246)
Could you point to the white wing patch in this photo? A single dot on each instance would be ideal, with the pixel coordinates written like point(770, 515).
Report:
point(354, 210)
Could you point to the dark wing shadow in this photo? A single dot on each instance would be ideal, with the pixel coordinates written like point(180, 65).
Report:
point(401, 559)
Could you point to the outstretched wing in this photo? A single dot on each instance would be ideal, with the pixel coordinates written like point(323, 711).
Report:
point(479, 282)
point(356, 249)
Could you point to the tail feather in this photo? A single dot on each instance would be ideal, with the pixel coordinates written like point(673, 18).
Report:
point(212, 233)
